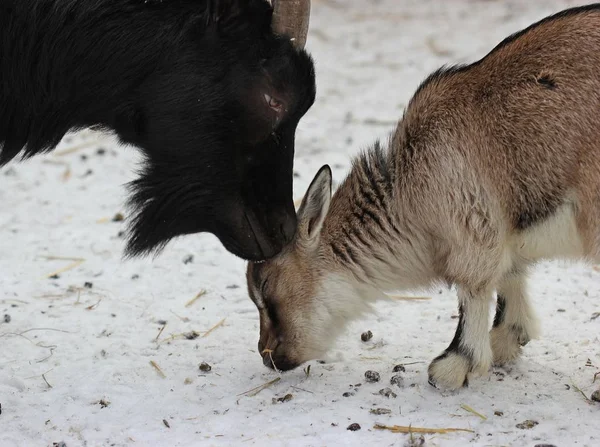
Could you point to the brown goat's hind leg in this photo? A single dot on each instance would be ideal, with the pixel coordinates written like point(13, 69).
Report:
point(470, 350)
point(515, 323)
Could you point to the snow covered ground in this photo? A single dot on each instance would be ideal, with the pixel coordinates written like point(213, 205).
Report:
point(75, 363)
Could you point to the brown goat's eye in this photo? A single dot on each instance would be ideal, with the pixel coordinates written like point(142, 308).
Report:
point(274, 103)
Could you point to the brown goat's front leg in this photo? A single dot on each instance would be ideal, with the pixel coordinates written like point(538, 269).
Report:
point(470, 350)
point(515, 323)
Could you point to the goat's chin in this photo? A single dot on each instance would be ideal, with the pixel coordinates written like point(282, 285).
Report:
point(317, 347)
point(316, 350)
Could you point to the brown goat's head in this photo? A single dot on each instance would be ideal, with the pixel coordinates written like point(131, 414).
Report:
point(303, 296)
point(295, 322)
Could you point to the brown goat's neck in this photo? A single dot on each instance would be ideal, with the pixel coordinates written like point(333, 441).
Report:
point(367, 234)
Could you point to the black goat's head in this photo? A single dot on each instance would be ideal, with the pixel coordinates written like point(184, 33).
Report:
point(217, 121)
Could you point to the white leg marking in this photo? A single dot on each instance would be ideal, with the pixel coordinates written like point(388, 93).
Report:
point(470, 351)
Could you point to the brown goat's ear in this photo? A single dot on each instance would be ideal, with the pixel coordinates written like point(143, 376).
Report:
point(314, 207)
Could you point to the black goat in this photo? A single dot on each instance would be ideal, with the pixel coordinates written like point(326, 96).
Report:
point(207, 89)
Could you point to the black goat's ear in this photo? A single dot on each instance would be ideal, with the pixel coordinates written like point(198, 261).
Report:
point(220, 11)
point(224, 12)
point(228, 14)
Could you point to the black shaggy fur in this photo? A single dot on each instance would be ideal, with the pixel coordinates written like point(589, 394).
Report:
point(203, 87)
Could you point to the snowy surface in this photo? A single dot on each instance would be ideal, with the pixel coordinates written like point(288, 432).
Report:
point(67, 346)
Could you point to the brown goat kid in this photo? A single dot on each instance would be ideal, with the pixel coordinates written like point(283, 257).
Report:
point(494, 167)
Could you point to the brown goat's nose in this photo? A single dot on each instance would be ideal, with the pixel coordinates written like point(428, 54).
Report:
point(279, 362)
point(268, 356)
point(267, 360)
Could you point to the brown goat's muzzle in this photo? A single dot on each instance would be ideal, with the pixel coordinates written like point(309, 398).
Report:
point(274, 357)
point(277, 361)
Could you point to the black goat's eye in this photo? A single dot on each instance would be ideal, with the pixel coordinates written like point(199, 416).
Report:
point(274, 103)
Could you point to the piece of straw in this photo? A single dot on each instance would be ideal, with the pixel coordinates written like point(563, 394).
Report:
point(94, 306)
point(161, 331)
point(270, 352)
point(219, 324)
point(254, 391)
point(76, 263)
point(471, 410)
point(157, 368)
point(46, 380)
point(184, 319)
point(193, 300)
point(307, 371)
point(423, 430)
point(301, 389)
point(587, 399)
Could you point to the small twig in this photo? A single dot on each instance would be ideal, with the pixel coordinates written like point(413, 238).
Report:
point(45, 329)
point(596, 376)
point(51, 348)
point(59, 258)
point(20, 334)
point(307, 371)
point(219, 324)
point(193, 300)
point(254, 391)
point(94, 306)
point(39, 345)
point(471, 410)
point(52, 296)
point(587, 399)
point(45, 380)
point(193, 419)
point(12, 300)
point(171, 338)
point(301, 389)
point(43, 377)
point(423, 430)
point(161, 331)
point(157, 368)
point(71, 266)
point(184, 319)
